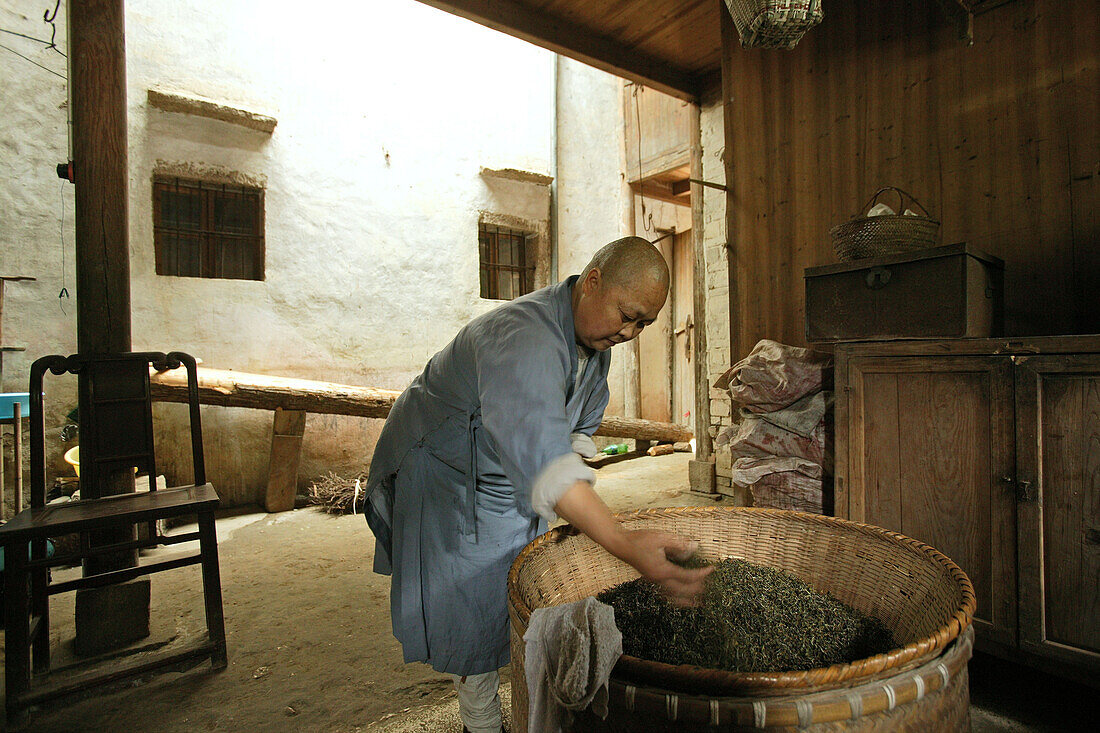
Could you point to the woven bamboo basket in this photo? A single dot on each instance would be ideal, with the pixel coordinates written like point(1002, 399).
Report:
point(923, 597)
point(773, 23)
point(878, 236)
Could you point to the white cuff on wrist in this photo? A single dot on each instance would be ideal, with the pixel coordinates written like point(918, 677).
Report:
point(556, 478)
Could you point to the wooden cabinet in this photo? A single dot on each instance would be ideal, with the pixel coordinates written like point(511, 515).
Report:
point(988, 450)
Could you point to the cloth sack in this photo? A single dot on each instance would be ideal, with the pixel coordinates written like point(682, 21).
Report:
point(781, 482)
point(774, 376)
point(754, 437)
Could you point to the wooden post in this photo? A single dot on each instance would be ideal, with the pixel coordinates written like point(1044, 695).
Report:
point(632, 397)
point(701, 470)
point(286, 454)
point(17, 446)
point(4, 349)
point(729, 44)
point(97, 85)
point(699, 291)
point(97, 58)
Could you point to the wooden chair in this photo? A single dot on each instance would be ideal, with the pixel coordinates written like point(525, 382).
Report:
point(116, 436)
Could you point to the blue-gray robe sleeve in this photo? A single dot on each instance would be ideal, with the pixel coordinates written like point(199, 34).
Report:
point(523, 372)
point(593, 409)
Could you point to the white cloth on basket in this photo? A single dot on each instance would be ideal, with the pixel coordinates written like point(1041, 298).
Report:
point(570, 651)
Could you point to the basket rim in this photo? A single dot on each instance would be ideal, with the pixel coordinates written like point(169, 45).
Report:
point(722, 681)
point(859, 219)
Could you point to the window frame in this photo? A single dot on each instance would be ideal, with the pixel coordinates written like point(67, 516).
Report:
point(490, 266)
point(209, 236)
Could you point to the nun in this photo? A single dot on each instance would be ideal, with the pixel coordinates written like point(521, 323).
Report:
point(484, 449)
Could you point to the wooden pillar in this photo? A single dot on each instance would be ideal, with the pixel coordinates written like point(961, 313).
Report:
point(97, 59)
point(729, 43)
point(97, 86)
point(701, 470)
point(632, 383)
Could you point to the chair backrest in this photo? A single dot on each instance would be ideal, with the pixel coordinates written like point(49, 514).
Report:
point(116, 417)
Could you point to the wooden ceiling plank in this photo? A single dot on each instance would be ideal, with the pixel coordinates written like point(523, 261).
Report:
point(550, 32)
point(684, 30)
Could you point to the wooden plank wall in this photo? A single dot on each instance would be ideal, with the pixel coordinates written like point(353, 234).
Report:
point(656, 132)
point(999, 140)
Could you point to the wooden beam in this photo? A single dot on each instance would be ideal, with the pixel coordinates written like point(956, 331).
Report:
point(663, 191)
point(632, 427)
point(560, 36)
point(201, 107)
point(658, 164)
point(262, 392)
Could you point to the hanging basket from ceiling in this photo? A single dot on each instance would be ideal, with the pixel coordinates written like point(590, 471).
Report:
point(773, 23)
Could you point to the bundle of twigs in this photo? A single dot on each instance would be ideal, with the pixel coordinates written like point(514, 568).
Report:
point(337, 494)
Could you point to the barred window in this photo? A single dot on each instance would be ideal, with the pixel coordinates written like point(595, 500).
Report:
point(507, 262)
point(208, 229)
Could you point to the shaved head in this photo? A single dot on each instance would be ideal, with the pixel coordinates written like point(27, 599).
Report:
point(620, 292)
point(629, 262)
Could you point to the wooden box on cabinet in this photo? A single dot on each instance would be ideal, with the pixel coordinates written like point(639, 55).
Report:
point(951, 291)
point(988, 450)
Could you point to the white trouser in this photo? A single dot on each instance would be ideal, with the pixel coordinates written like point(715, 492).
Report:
point(479, 701)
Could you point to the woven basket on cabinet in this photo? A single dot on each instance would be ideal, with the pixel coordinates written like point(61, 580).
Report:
point(877, 236)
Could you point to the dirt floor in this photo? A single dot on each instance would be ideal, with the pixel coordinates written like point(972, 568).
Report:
point(310, 647)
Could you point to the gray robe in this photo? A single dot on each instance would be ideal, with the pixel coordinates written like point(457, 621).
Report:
point(449, 492)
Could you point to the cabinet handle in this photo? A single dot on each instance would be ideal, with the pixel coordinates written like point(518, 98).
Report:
point(877, 277)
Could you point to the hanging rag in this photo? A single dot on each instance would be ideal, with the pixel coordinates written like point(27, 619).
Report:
point(570, 651)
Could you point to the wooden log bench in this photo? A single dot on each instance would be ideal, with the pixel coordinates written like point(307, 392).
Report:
point(291, 399)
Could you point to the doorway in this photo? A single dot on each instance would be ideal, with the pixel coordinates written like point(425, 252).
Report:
point(665, 361)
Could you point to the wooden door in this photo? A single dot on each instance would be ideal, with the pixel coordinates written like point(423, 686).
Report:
point(930, 447)
point(683, 330)
point(1058, 476)
point(655, 357)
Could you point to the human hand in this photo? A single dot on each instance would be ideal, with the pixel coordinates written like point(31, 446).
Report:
point(649, 552)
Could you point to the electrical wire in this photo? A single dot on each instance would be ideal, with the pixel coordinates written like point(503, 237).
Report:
point(48, 44)
point(44, 68)
point(47, 17)
point(647, 222)
point(64, 276)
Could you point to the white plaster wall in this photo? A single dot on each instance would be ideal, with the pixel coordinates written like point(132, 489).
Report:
point(386, 113)
point(593, 199)
point(32, 142)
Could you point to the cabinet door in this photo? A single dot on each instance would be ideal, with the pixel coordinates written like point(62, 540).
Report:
point(1058, 463)
point(930, 455)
